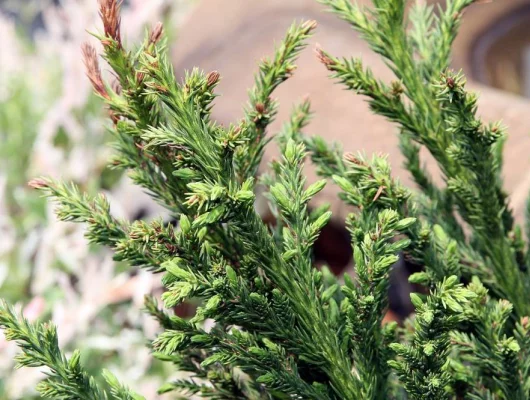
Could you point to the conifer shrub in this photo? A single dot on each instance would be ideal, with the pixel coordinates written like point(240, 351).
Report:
point(282, 328)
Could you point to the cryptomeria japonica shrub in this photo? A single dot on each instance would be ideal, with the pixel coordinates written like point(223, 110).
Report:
point(281, 327)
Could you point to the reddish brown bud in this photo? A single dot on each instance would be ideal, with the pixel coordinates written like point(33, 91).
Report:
point(38, 183)
point(397, 88)
point(324, 58)
point(90, 58)
point(351, 158)
point(140, 76)
point(160, 88)
point(260, 107)
point(156, 33)
point(212, 78)
point(109, 11)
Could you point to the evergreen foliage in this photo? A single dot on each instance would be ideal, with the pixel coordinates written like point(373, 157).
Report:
point(284, 329)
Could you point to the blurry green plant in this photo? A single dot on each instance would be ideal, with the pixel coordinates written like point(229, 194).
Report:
point(283, 329)
point(20, 119)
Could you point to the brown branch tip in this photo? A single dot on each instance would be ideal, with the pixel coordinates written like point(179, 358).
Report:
point(350, 157)
point(324, 58)
point(38, 183)
point(109, 11)
point(156, 33)
point(90, 58)
point(212, 78)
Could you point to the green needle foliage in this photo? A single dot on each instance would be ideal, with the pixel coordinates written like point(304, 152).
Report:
point(283, 329)
point(67, 378)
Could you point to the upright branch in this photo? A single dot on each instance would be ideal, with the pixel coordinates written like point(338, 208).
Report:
point(422, 365)
point(433, 110)
point(261, 109)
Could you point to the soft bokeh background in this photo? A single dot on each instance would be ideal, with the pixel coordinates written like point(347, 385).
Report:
point(52, 125)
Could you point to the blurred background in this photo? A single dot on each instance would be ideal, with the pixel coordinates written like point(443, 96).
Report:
point(52, 125)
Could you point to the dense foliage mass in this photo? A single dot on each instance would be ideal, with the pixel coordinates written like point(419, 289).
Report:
point(282, 328)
